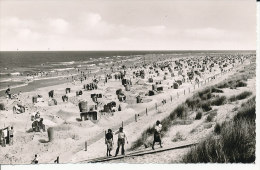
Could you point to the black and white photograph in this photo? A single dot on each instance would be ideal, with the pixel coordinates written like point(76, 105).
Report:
point(107, 82)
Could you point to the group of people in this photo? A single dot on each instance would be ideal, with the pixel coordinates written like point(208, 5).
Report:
point(109, 140)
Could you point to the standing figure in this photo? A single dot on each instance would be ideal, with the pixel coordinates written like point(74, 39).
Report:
point(121, 141)
point(11, 134)
point(2, 138)
point(109, 142)
point(157, 134)
point(35, 161)
point(8, 92)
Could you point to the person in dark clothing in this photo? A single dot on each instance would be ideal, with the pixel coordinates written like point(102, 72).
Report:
point(11, 134)
point(109, 142)
point(35, 161)
point(157, 134)
point(121, 141)
point(8, 92)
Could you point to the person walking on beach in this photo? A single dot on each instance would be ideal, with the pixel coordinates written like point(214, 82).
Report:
point(109, 141)
point(157, 134)
point(8, 92)
point(35, 161)
point(121, 141)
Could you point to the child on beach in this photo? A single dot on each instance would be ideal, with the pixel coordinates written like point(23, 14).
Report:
point(109, 141)
point(157, 134)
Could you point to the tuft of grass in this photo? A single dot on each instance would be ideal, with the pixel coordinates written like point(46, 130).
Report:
point(211, 116)
point(206, 106)
point(203, 92)
point(193, 102)
point(178, 137)
point(240, 96)
point(217, 128)
point(219, 101)
point(215, 90)
point(233, 83)
point(182, 111)
point(198, 116)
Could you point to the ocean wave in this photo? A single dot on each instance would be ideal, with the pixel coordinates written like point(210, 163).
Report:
point(63, 69)
point(63, 63)
point(5, 80)
point(91, 65)
point(15, 74)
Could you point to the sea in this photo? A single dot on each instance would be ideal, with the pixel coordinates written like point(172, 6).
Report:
point(38, 68)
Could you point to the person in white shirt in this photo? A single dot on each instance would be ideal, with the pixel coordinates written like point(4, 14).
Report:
point(157, 134)
point(121, 141)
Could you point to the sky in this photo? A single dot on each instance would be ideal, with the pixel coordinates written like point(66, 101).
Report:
point(41, 25)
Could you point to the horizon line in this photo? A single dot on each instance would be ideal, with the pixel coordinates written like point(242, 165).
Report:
point(117, 50)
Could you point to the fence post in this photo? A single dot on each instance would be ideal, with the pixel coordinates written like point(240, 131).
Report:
point(122, 124)
point(146, 112)
point(86, 145)
point(105, 136)
point(184, 92)
point(135, 118)
point(171, 98)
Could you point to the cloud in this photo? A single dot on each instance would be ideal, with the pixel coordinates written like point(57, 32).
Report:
point(59, 25)
point(89, 31)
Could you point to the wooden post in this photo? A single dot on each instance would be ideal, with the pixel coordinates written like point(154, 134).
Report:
point(50, 132)
point(135, 118)
point(86, 145)
point(122, 124)
point(146, 112)
point(184, 92)
point(171, 98)
point(105, 136)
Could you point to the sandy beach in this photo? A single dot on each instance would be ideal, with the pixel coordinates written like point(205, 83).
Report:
point(153, 81)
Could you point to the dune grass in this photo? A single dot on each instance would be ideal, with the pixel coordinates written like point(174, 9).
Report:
point(219, 101)
point(240, 96)
point(232, 84)
point(198, 116)
point(202, 100)
point(233, 142)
